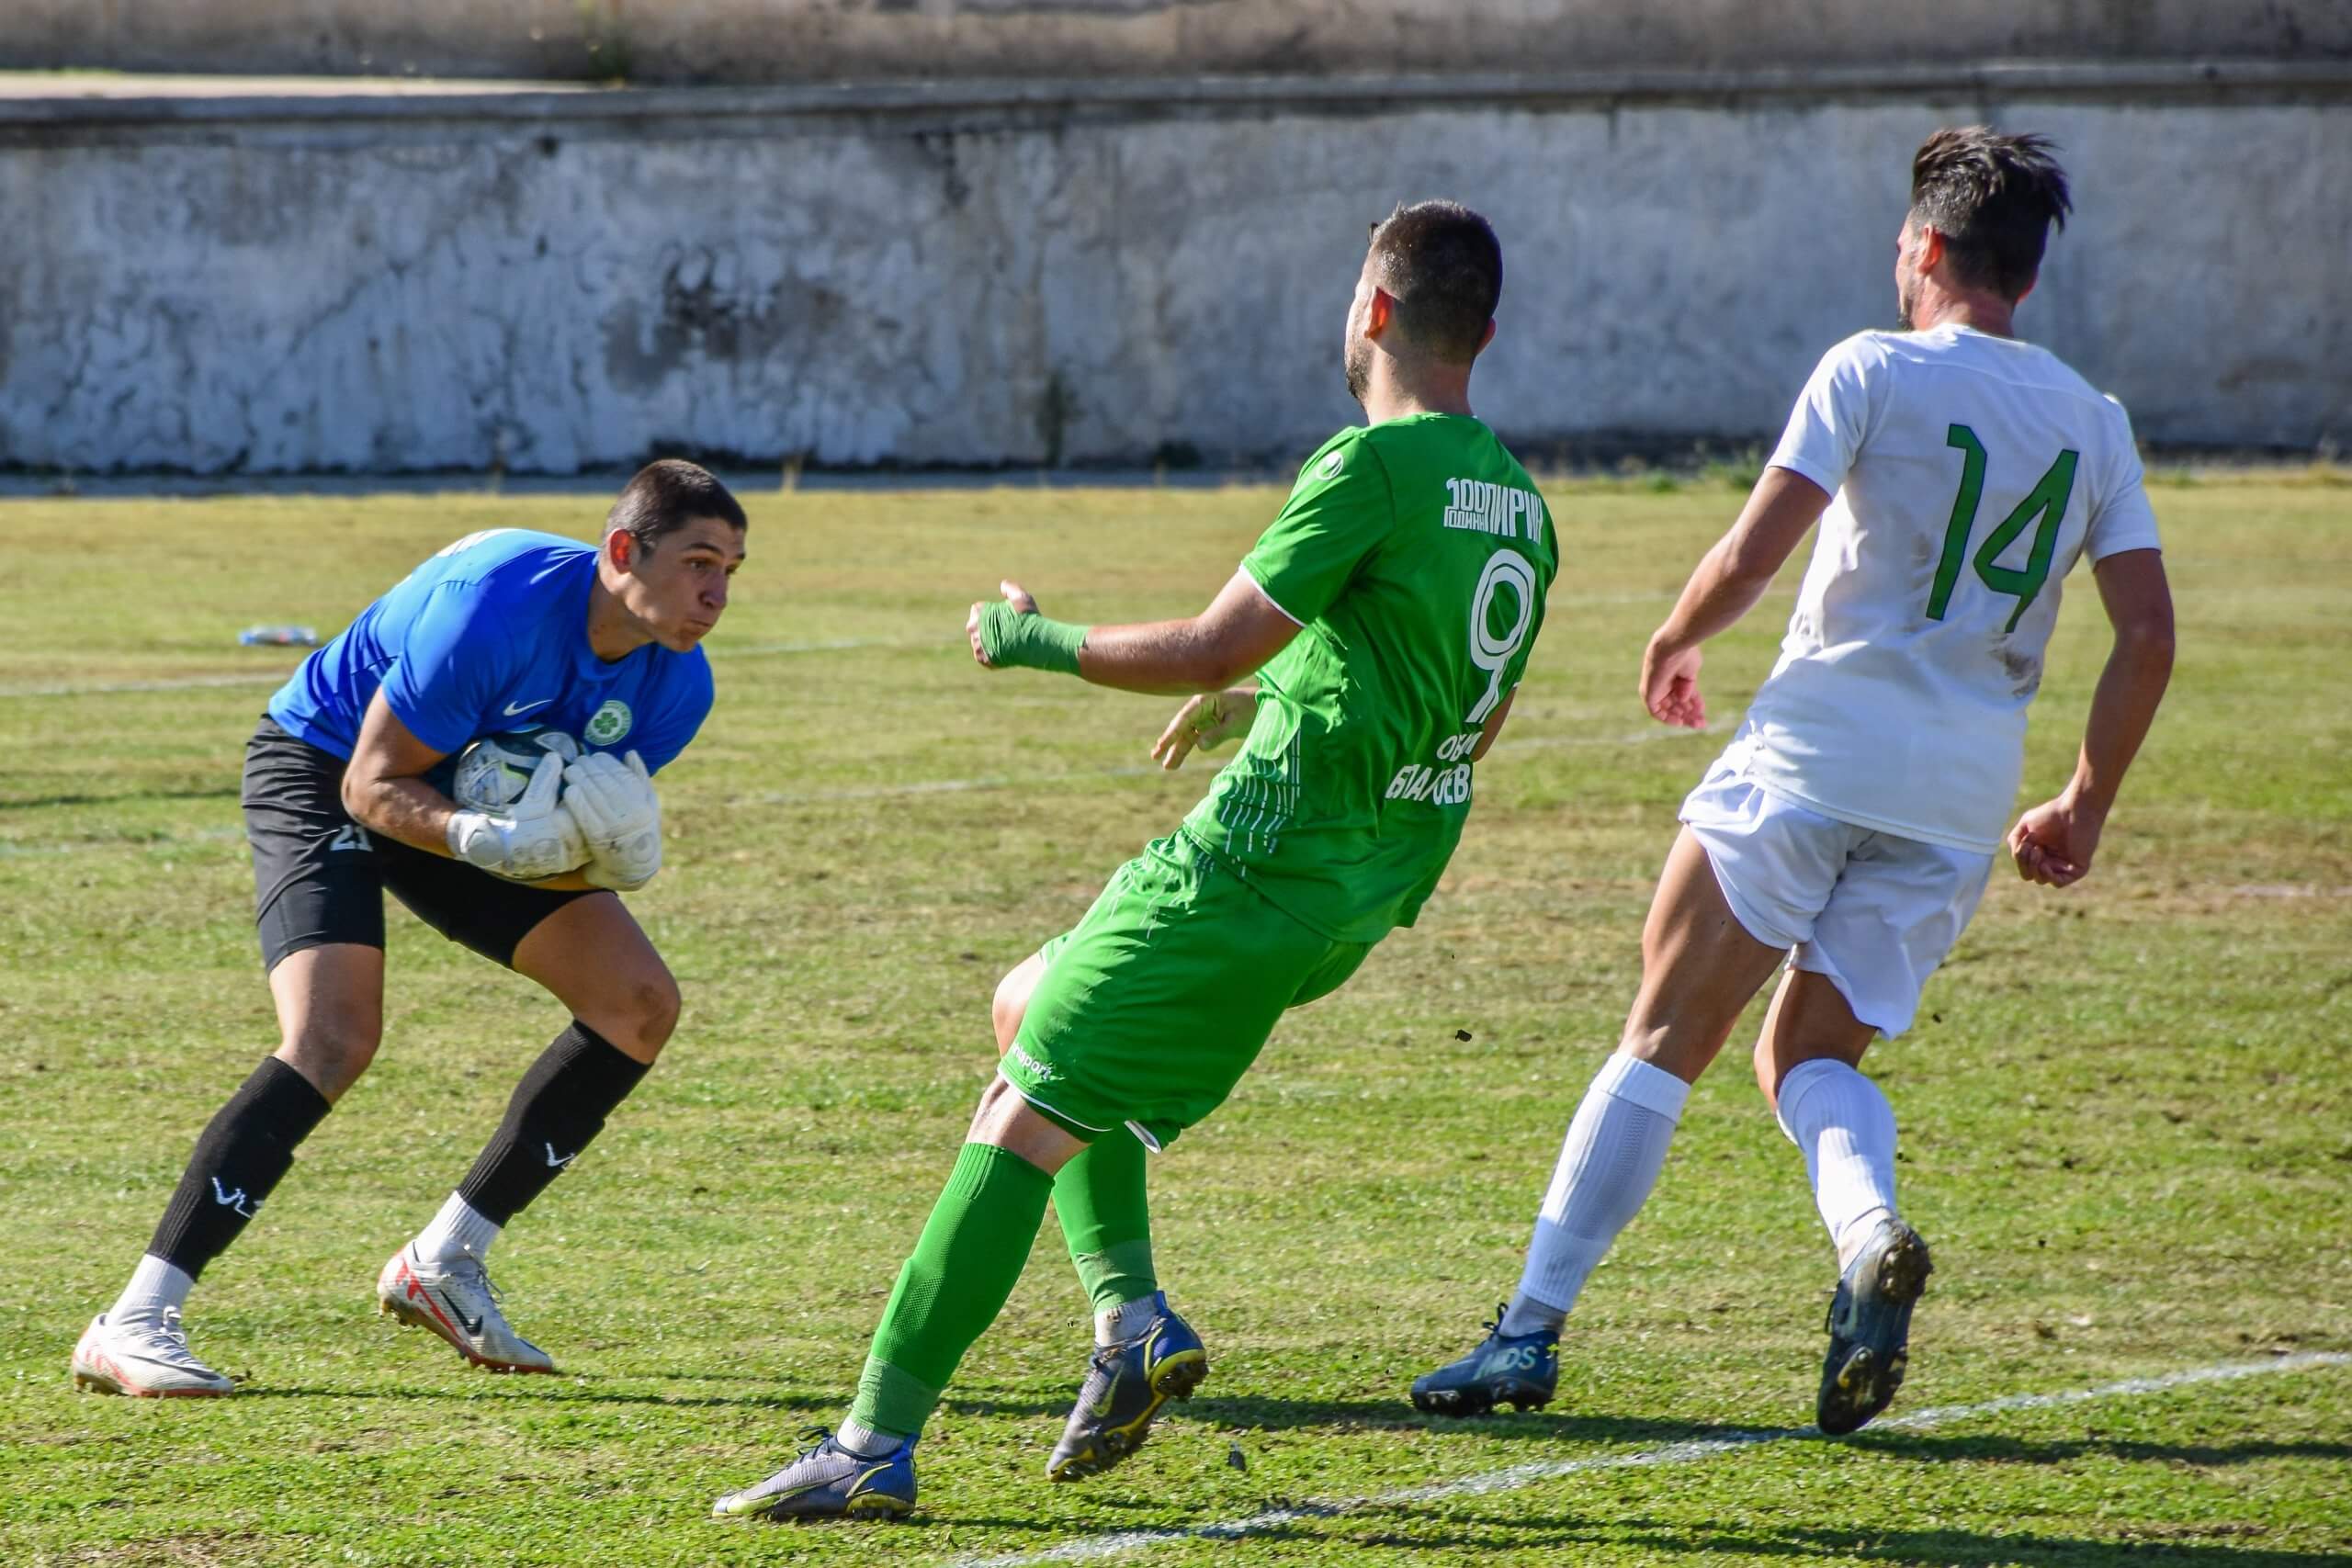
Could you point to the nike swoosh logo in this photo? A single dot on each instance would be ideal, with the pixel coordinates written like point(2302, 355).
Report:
point(471, 1325)
point(1102, 1406)
point(554, 1163)
point(513, 708)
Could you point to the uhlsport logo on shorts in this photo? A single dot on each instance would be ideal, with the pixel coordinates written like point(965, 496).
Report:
point(608, 724)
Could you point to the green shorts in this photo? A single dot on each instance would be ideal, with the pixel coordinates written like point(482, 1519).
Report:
point(1153, 1006)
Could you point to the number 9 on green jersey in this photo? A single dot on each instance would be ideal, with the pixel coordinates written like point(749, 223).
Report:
point(1414, 555)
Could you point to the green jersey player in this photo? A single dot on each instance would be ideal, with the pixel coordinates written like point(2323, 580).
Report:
point(1388, 613)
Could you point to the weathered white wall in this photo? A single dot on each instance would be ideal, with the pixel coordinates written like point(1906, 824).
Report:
point(564, 283)
point(789, 40)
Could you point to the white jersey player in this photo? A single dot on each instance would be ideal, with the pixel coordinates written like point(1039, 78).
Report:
point(1849, 828)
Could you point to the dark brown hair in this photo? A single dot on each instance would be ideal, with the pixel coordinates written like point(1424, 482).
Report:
point(1993, 198)
point(1444, 267)
point(667, 494)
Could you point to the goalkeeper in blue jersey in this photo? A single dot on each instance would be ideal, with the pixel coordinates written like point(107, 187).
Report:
point(585, 661)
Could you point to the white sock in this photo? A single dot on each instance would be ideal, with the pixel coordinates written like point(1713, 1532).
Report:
point(457, 1231)
point(154, 1287)
point(1131, 1319)
point(1846, 1130)
point(1608, 1165)
point(866, 1442)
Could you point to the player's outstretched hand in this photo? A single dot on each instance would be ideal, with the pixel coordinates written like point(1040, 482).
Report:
point(1016, 596)
point(1206, 721)
point(2053, 842)
point(621, 818)
point(537, 837)
point(1671, 685)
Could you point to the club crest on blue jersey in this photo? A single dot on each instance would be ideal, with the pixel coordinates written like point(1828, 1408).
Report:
point(608, 724)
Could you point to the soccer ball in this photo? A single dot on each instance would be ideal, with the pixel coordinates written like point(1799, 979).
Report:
point(493, 771)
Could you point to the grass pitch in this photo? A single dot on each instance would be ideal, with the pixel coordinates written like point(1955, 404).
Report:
point(2127, 1112)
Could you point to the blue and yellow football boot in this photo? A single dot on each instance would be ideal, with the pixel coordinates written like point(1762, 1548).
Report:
point(1125, 1389)
point(829, 1482)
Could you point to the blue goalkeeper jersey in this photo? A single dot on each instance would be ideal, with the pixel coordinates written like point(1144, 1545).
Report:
point(488, 637)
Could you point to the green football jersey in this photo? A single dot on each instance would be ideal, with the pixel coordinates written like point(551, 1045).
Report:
point(1416, 555)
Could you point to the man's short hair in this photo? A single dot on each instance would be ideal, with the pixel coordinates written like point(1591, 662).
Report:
point(1444, 267)
point(667, 494)
point(1993, 198)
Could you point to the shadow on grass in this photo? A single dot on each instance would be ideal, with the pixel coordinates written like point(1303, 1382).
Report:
point(1241, 1412)
point(548, 1392)
point(1451, 1534)
point(1252, 1413)
point(2023, 1450)
point(560, 1390)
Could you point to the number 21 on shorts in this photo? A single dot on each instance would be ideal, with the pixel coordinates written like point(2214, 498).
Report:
point(2047, 501)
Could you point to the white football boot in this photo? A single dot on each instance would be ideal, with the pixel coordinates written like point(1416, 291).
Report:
point(146, 1360)
point(456, 1301)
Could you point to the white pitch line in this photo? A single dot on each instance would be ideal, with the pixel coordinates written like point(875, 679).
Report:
point(1093, 1548)
point(934, 786)
point(165, 683)
point(1085, 776)
point(278, 677)
point(838, 645)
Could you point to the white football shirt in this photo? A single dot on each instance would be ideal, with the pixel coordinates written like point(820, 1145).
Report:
point(1969, 472)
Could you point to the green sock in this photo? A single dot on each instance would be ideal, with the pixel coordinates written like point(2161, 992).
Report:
point(962, 1273)
point(1099, 1198)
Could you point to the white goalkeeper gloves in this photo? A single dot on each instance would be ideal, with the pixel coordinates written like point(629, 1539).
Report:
point(607, 825)
point(534, 837)
point(621, 818)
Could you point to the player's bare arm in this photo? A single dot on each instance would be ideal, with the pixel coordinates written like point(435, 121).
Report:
point(385, 791)
point(384, 787)
point(1239, 631)
point(1727, 583)
point(2053, 842)
point(1494, 729)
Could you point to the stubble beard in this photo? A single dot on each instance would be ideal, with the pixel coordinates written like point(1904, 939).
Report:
point(1357, 362)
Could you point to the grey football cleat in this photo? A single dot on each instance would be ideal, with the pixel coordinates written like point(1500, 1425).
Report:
point(143, 1360)
point(1869, 1327)
point(1518, 1370)
point(456, 1301)
point(829, 1482)
point(1125, 1385)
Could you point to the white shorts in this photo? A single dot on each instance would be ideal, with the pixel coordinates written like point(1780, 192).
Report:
point(1874, 912)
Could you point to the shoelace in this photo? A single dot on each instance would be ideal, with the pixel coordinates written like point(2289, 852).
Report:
point(167, 1338)
point(470, 1270)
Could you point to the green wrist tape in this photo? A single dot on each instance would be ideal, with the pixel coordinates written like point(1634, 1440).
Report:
point(1014, 640)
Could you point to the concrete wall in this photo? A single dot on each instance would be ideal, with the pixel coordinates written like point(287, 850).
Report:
point(1091, 275)
point(794, 40)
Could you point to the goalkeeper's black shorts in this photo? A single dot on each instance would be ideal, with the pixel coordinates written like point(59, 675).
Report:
point(319, 877)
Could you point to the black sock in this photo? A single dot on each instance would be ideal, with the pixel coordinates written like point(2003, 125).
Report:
point(560, 1104)
point(244, 1150)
